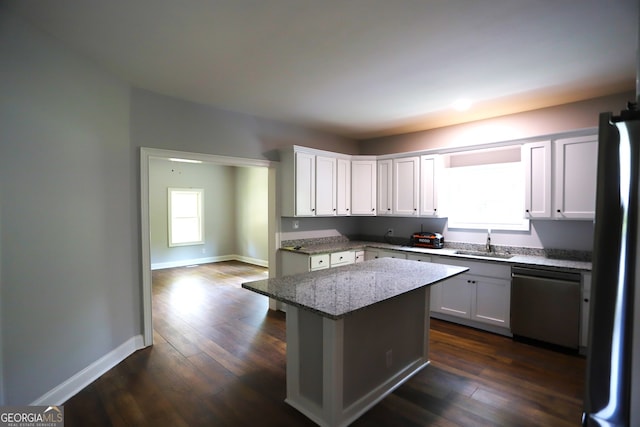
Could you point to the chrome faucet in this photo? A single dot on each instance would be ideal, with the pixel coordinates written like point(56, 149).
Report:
point(488, 244)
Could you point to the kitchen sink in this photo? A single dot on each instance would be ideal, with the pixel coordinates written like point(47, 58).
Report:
point(485, 254)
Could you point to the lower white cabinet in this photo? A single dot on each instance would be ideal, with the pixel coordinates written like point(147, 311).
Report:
point(383, 253)
point(482, 296)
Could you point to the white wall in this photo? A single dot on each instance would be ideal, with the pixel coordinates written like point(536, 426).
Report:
point(70, 260)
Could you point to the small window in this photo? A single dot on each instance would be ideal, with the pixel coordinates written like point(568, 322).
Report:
point(185, 216)
point(486, 192)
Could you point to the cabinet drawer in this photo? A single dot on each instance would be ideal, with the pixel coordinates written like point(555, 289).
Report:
point(342, 258)
point(319, 262)
point(479, 268)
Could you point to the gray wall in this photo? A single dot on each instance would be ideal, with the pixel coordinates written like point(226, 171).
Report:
point(235, 206)
point(70, 259)
point(252, 215)
point(70, 135)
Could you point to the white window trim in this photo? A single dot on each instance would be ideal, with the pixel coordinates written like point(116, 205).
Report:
point(200, 216)
point(519, 224)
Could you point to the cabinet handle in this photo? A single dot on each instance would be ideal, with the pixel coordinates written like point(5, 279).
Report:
point(388, 209)
point(373, 210)
point(347, 209)
point(320, 262)
point(586, 300)
point(527, 210)
point(559, 211)
point(313, 209)
point(334, 209)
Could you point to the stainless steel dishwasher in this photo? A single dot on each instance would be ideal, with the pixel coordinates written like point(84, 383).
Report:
point(545, 305)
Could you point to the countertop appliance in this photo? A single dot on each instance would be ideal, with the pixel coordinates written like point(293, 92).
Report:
point(545, 306)
point(427, 239)
point(612, 395)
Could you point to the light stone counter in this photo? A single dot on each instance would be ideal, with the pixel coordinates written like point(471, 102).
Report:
point(521, 256)
point(339, 291)
point(354, 333)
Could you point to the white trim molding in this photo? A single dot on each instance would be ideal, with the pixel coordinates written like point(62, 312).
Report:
point(208, 260)
point(146, 154)
point(69, 388)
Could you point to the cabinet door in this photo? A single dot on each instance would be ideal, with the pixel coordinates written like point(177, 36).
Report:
point(454, 297)
point(363, 187)
point(343, 187)
point(406, 174)
point(536, 158)
point(391, 254)
point(385, 187)
point(429, 167)
point(576, 161)
point(492, 300)
point(305, 184)
point(325, 186)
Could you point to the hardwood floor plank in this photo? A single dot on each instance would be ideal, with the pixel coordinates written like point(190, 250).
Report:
point(219, 359)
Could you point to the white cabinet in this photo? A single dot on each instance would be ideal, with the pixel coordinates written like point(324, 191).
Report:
point(429, 171)
point(371, 253)
point(315, 182)
point(343, 186)
point(363, 187)
point(305, 184)
point(385, 187)
point(560, 178)
point(480, 297)
point(342, 258)
point(536, 158)
point(325, 182)
point(406, 181)
point(576, 164)
point(419, 257)
point(296, 263)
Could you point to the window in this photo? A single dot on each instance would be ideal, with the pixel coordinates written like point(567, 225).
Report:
point(185, 216)
point(486, 190)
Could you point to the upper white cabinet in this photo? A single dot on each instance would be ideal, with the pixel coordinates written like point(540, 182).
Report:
point(576, 164)
point(536, 158)
point(315, 183)
point(325, 185)
point(385, 187)
point(430, 167)
point(560, 180)
point(305, 184)
point(363, 187)
point(343, 186)
point(406, 181)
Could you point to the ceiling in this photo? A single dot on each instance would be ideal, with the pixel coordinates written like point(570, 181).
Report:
point(357, 68)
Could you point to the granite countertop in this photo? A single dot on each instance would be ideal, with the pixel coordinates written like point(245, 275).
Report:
point(521, 256)
point(337, 292)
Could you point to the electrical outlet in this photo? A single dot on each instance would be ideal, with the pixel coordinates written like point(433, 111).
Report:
point(390, 232)
point(389, 358)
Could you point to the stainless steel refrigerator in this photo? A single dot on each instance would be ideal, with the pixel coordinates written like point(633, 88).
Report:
point(613, 381)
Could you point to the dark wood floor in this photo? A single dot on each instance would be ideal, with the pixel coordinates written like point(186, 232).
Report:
point(219, 360)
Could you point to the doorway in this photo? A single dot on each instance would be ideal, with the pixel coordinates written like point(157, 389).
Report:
point(149, 154)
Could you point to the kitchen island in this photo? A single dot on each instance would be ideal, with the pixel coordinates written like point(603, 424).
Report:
point(354, 333)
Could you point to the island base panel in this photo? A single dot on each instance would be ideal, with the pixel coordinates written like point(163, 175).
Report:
point(338, 369)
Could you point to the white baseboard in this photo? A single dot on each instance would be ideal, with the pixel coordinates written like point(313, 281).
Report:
point(69, 388)
point(254, 261)
point(194, 261)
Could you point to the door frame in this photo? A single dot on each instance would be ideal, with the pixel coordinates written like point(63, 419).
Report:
point(146, 154)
